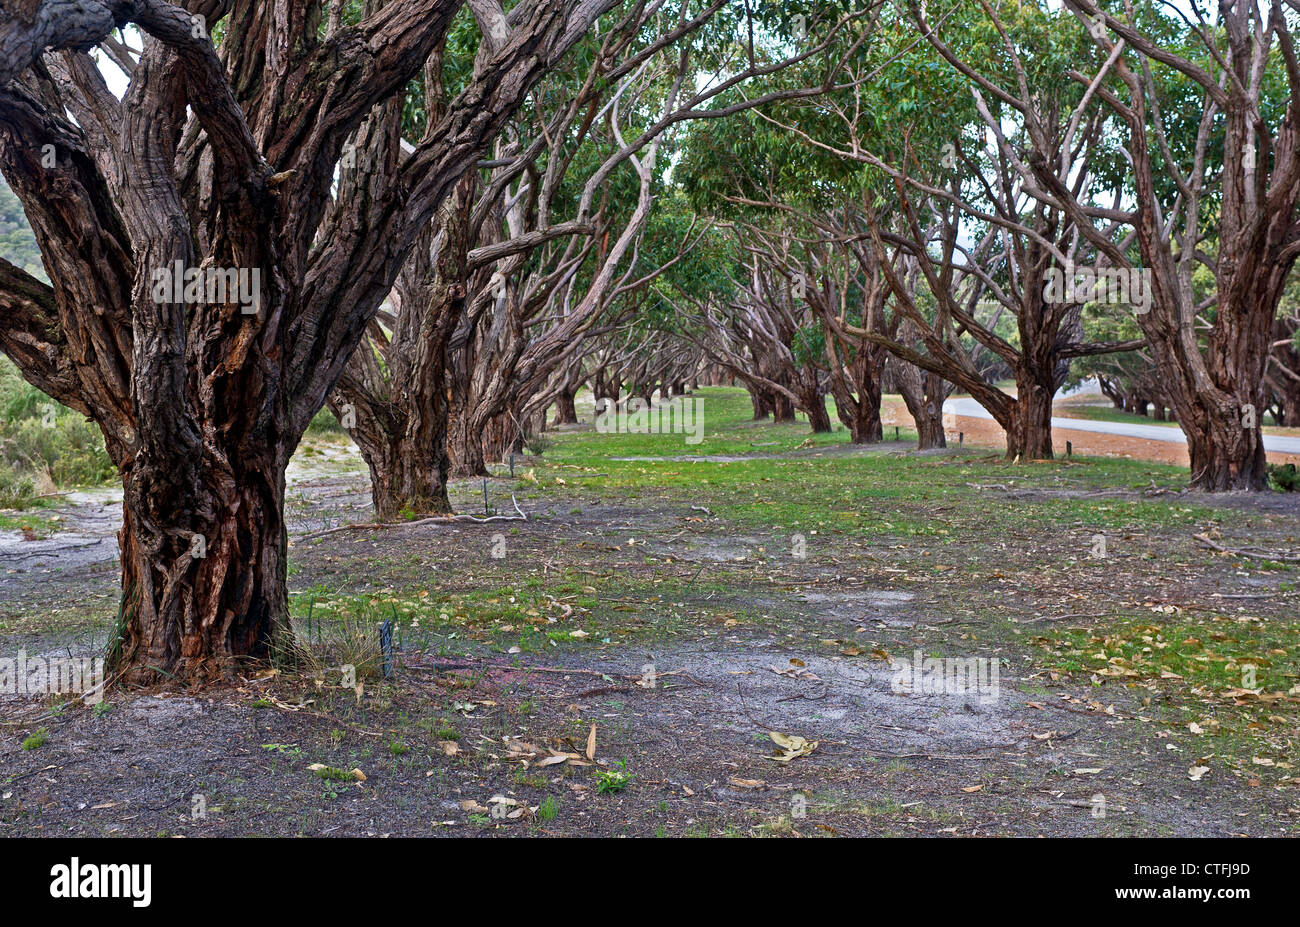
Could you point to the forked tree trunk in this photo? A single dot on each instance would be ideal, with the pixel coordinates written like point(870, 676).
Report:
point(923, 393)
point(857, 392)
point(202, 405)
point(400, 411)
point(782, 409)
point(566, 409)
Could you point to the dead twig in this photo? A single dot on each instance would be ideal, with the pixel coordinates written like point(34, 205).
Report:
point(432, 520)
point(1247, 551)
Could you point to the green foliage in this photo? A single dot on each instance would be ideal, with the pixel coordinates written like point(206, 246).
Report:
point(1284, 477)
point(40, 437)
point(610, 781)
point(325, 422)
point(17, 244)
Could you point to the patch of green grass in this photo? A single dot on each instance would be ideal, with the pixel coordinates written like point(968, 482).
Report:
point(36, 527)
point(447, 732)
point(1229, 675)
point(549, 809)
point(866, 494)
point(36, 739)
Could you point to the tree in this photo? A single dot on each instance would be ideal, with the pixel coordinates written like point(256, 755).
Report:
point(1211, 117)
point(217, 165)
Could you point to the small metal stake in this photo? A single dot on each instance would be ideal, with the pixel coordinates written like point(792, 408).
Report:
point(895, 432)
point(961, 437)
point(512, 465)
point(485, 505)
point(1069, 449)
point(386, 646)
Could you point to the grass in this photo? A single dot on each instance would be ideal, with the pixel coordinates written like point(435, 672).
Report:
point(33, 526)
point(549, 809)
point(864, 495)
point(1233, 676)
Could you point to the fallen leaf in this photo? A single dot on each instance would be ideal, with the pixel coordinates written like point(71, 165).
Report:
point(793, 745)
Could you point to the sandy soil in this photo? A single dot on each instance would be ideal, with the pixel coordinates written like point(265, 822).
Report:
point(987, 433)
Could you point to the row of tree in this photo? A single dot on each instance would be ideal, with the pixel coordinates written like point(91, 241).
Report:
point(462, 212)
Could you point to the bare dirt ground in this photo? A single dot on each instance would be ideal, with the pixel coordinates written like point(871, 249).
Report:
point(682, 634)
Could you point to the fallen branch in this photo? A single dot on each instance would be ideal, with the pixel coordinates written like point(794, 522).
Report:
point(1247, 551)
point(433, 519)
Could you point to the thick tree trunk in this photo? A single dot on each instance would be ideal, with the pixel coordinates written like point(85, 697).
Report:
point(464, 446)
point(923, 393)
point(566, 410)
point(819, 420)
point(1226, 446)
point(866, 427)
point(1030, 434)
point(409, 465)
point(203, 573)
point(782, 409)
point(761, 402)
point(1291, 410)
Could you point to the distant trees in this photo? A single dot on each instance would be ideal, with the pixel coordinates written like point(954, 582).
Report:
point(1209, 115)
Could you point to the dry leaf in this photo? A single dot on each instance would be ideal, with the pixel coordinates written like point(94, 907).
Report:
point(793, 745)
point(591, 742)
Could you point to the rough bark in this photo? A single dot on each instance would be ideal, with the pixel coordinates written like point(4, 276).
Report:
point(923, 393)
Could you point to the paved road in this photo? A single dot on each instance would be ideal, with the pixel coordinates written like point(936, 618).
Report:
point(969, 408)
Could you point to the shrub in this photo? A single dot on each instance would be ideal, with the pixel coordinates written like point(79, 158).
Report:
point(1284, 477)
point(42, 440)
